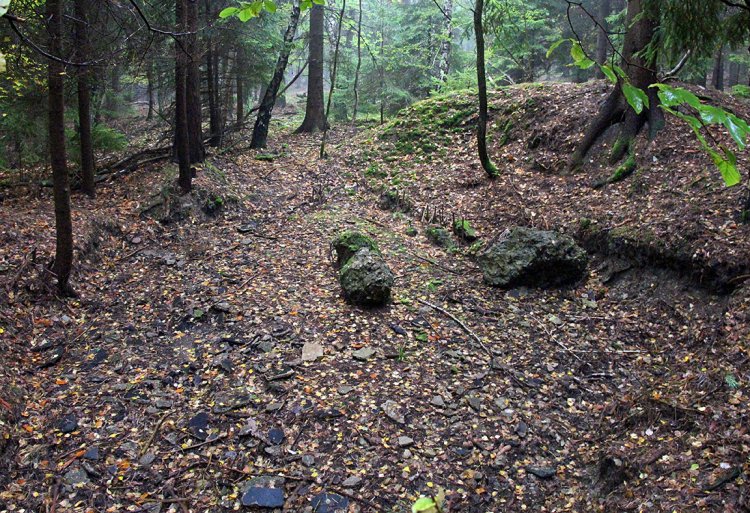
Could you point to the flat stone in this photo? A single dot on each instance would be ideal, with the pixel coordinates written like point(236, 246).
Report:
point(263, 497)
point(542, 472)
point(405, 441)
point(474, 402)
point(264, 482)
point(308, 460)
point(391, 410)
point(330, 503)
point(198, 425)
point(68, 424)
point(344, 389)
point(437, 401)
point(76, 477)
point(352, 482)
point(276, 436)
point(364, 354)
point(274, 406)
point(522, 429)
point(92, 454)
point(312, 351)
point(147, 459)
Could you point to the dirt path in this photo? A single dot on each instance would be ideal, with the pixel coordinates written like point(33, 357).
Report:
point(182, 377)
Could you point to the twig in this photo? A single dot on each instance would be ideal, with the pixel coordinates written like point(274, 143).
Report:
point(155, 432)
point(436, 264)
point(461, 324)
point(206, 442)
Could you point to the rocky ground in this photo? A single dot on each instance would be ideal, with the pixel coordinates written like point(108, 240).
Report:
point(211, 363)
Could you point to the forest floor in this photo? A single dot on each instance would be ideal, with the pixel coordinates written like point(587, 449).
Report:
point(210, 350)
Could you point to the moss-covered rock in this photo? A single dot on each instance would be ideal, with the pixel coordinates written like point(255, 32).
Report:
point(536, 258)
point(464, 230)
point(348, 243)
point(440, 237)
point(366, 279)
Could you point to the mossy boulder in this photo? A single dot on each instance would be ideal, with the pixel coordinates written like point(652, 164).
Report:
point(440, 237)
point(463, 230)
point(366, 279)
point(535, 258)
point(348, 243)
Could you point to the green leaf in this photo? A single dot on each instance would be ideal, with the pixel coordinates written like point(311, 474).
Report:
point(555, 46)
point(229, 11)
point(579, 56)
point(727, 166)
point(635, 97)
point(712, 115)
point(270, 6)
point(4, 4)
point(672, 96)
point(424, 505)
point(2, 63)
point(246, 13)
point(609, 73)
point(739, 133)
point(620, 72)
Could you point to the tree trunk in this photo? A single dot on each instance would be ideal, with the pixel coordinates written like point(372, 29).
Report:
point(484, 158)
point(641, 73)
point(182, 133)
point(212, 69)
point(260, 131)
point(734, 74)
point(717, 74)
point(193, 86)
point(359, 65)
point(446, 44)
point(84, 99)
point(602, 37)
point(333, 81)
point(238, 69)
point(314, 113)
point(151, 96)
point(61, 185)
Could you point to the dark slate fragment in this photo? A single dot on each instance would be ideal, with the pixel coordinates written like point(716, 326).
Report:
point(68, 423)
point(542, 472)
point(199, 426)
point(329, 503)
point(276, 436)
point(263, 497)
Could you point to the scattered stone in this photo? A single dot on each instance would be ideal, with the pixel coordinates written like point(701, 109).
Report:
point(275, 406)
point(405, 441)
point(542, 472)
point(364, 354)
point(273, 451)
point(437, 401)
point(276, 436)
point(222, 307)
point(264, 482)
point(147, 459)
point(163, 404)
point(530, 257)
point(440, 237)
point(330, 503)
point(92, 453)
point(68, 424)
point(398, 329)
point(366, 279)
point(352, 482)
point(76, 477)
point(522, 429)
point(54, 356)
point(406, 454)
point(264, 497)
point(474, 402)
point(312, 351)
point(391, 410)
point(308, 460)
point(345, 389)
point(198, 426)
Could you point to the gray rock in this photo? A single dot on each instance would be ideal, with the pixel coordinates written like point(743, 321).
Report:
point(405, 441)
point(392, 411)
point(542, 472)
point(348, 243)
point(440, 237)
point(263, 497)
point(474, 402)
point(68, 424)
point(528, 257)
point(352, 482)
point(76, 477)
point(92, 454)
point(308, 460)
point(312, 351)
point(329, 503)
point(364, 354)
point(345, 389)
point(147, 459)
point(366, 279)
point(437, 401)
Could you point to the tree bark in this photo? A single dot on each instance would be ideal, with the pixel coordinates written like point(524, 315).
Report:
point(484, 158)
point(238, 69)
point(214, 113)
point(734, 74)
point(84, 99)
point(717, 74)
point(333, 81)
point(358, 69)
point(193, 86)
point(56, 124)
point(446, 44)
point(260, 130)
point(314, 113)
point(602, 37)
point(151, 94)
point(641, 73)
point(182, 133)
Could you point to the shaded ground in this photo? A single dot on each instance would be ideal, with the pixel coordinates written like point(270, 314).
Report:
point(627, 392)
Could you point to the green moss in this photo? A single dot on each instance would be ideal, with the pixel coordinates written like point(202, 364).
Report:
point(463, 229)
point(440, 237)
point(505, 134)
point(349, 242)
point(266, 157)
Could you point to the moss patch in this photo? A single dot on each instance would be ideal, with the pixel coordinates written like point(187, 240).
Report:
point(349, 242)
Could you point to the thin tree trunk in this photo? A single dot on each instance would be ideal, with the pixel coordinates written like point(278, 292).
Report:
point(182, 133)
point(314, 113)
point(262, 122)
point(61, 185)
point(84, 99)
point(214, 113)
point(446, 44)
point(355, 108)
point(734, 74)
point(193, 87)
point(602, 36)
point(150, 87)
point(382, 72)
point(333, 80)
point(717, 74)
point(238, 69)
point(484, 158)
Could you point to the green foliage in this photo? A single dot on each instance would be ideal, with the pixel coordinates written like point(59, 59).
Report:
point(434, 504)
point(741, 90)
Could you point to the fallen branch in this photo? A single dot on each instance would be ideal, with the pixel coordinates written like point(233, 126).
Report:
point(155, 432)
point(461, 324)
